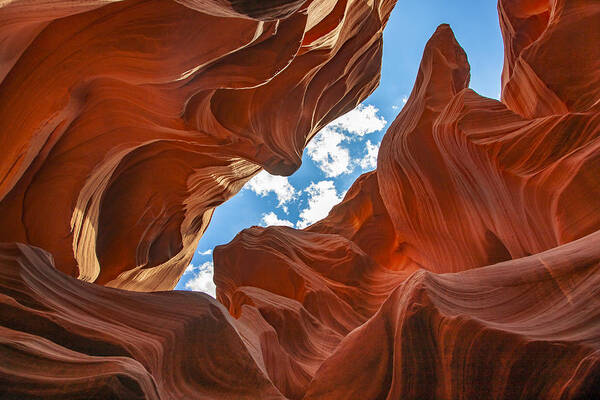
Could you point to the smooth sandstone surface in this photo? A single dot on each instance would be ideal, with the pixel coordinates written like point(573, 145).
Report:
point(125, 124)
point(466, 266)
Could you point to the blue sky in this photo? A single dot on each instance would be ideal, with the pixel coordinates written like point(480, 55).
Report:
point(348, 146)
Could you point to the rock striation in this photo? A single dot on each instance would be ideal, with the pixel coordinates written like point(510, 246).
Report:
point(466, 266)
point(124, 124)
point(474, 246)
point(63, 338)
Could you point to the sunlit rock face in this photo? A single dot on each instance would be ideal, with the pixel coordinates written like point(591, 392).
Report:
point(467, 266)
point(124, 124)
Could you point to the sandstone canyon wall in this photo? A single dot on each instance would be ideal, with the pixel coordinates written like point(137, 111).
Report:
point(467, 266)
point(125, 124)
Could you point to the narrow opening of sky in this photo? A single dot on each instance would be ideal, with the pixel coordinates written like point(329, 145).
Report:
point(348, 146)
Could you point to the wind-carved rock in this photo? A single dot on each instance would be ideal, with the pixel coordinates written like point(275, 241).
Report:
point(466, 266)
point(124, 125)
point(475, 244)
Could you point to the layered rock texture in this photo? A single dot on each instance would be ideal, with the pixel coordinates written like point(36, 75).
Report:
point(125, 124)
point(467, 266)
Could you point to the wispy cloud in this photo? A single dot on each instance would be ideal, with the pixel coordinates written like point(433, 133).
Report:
point(202, 281)
point(190, 268)
point(205, 253)
point(272, 219)
point(325, 150)
point(264, 183)
point(360, 121)
point(397, 107)
point(322, 196)
point(369, 160)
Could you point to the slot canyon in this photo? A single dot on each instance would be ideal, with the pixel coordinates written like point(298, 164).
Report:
point(465, 266)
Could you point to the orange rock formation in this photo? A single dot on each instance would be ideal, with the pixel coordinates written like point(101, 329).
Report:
point(467, 266)
point(124, 125)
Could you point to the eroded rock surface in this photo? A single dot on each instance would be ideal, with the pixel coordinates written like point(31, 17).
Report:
point(474, 246)
point(124, 124)
point(466, 266)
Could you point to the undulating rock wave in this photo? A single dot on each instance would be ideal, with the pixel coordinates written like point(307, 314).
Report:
point(504, 191)
point(467, 266)
point(124, 125)
point(64, 338)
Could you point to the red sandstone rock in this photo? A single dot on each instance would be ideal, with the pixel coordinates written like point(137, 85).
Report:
point(551, 60)
point(525, 328)
point(462, 182)
point(363, 219)
point(62, 338)
point(467, 266)
point(148, 114)
point(308, 289)
point(468, 182)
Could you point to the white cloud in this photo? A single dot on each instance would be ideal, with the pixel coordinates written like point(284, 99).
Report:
point(272, 219)
point(205, 253)
point(190, 268)
point(202, 281)
point(369, 161)
point(322, 196)
point(360, 121)
point(264, 183)
point(397, 107)
point(325, 150)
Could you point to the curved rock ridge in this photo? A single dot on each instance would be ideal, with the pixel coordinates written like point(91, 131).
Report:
point(62, 338)
point(146, 119)
point(469, 182)
point(363, 219)
point(525, 328)
point(537, 80)
point(467, 266)
point(306, 290)
point(490, 330)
